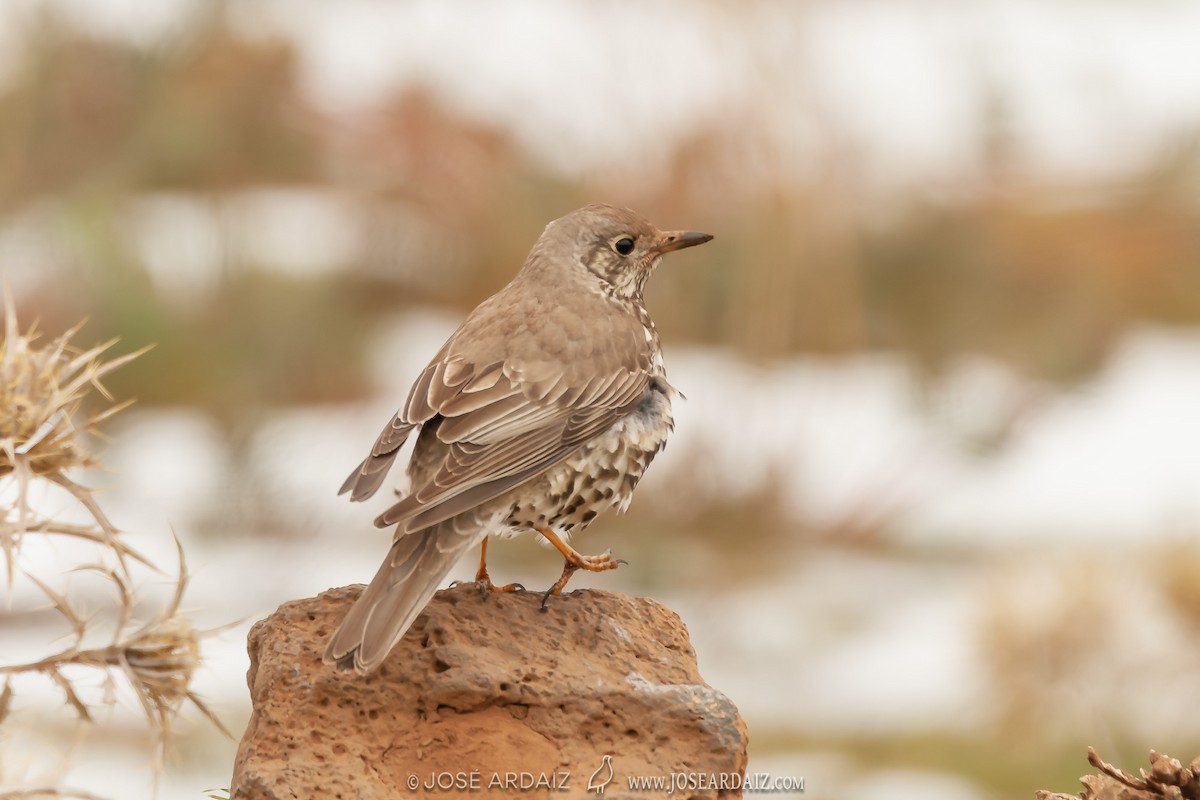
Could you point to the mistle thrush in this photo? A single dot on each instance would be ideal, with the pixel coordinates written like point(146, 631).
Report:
point(543, 409)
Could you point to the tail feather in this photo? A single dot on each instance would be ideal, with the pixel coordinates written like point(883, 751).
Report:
point(416, 565)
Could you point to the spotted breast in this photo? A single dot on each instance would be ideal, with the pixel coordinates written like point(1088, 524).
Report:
point(602, 474)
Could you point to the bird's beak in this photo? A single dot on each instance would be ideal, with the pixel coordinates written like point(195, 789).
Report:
point(677, 240)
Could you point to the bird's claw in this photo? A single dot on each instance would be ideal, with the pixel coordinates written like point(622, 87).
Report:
point(486, 587)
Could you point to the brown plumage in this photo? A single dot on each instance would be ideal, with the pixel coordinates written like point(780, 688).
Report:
point(542, 409)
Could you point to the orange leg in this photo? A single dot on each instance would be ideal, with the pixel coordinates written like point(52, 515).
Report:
point(575, 561)
point(484, 580)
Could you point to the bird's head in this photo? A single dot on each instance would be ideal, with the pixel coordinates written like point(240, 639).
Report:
point(615, 244)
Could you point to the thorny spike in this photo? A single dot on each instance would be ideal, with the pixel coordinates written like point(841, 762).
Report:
point(72, 698)
point(63, 606)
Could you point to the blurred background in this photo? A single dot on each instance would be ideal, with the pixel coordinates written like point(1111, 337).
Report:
point(930, 511)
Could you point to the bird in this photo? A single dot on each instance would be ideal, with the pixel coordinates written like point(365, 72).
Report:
point(544, 408)
point(603, 776)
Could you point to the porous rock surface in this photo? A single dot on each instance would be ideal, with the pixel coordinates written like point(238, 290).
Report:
point(487, 695)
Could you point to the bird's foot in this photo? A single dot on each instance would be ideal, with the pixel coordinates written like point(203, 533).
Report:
point(577, 561)
point(594, 563)
point(484, 582)
point(488, 587)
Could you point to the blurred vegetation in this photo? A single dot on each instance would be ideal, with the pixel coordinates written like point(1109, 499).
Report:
point(1000, 767)
point(443, 208)
point(207, 113)
point(1045, 278)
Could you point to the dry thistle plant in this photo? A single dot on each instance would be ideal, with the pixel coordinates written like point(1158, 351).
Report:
point(42, 441)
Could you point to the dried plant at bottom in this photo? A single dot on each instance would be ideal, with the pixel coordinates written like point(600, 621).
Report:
point(1167, 778)
point(43, 438)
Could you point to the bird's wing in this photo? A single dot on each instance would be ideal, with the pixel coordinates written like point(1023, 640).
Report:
point(418, 409)
point(369, 475)
point(503, 424)
point(498, 423)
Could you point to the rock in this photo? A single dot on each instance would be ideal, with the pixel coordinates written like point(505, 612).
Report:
point(487, 696)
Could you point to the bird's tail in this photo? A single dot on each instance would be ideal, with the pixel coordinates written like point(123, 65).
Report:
point(416, 565)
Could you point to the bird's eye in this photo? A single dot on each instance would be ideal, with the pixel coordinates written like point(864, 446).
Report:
point(623, 246)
